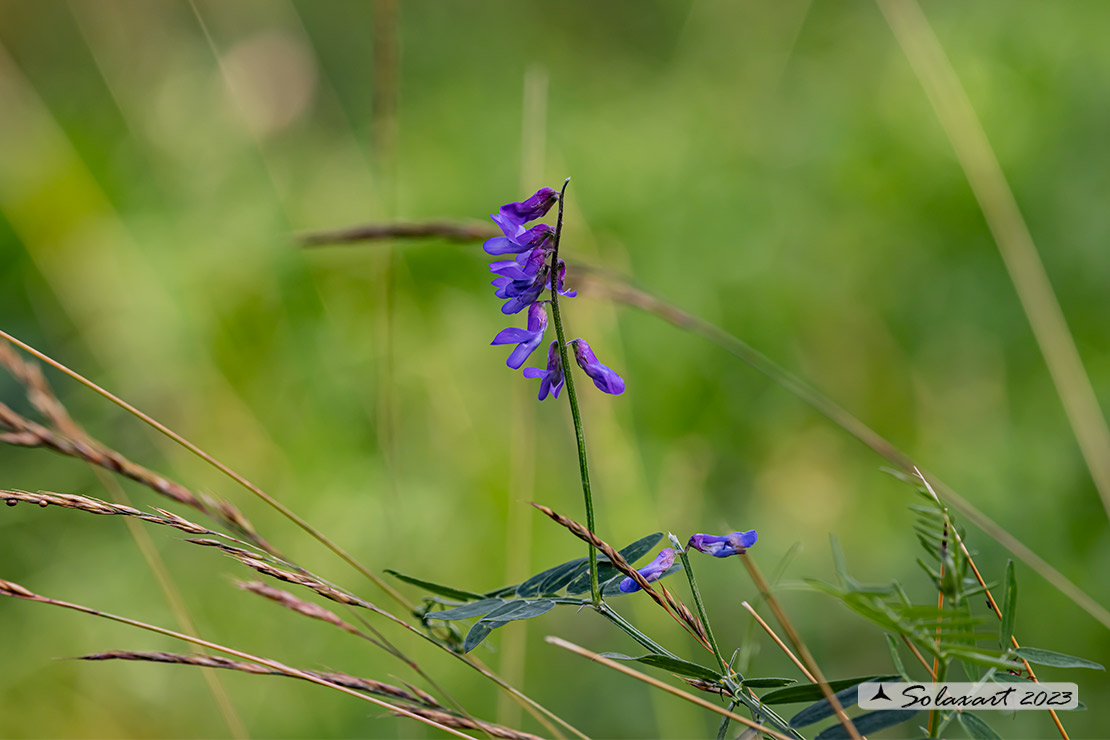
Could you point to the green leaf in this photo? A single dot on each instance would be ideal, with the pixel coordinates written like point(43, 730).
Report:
point(505, 592)
point(1009, 609)
point(612, 586)
point(819, 710)
point(519, 610)
point(478, 632)
point(667, 663)
point(868, 723)
point(767, 683)
point(466, 611)
point(1058, 660)
point(502, 615)
point(896, 658)
point(636, 550)
point(435, 588)
point(978, 658)
point(552, 579)
point(605, 569)
point(812, 691)
point(976, 728)
point(1008, 678)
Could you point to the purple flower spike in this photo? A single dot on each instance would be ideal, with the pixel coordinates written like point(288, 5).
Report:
point(604, 377)
point(531, 209)
point(551, 379)
point(526, 340)
point(651, 572)
point(736, 543)
point(517, 239)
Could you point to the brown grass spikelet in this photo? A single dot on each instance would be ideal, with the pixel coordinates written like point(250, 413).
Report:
point(369, 686)
point(14, 589)
point(289, 601)
point(103, 508)
point(685, 614)
point(66, 437)
point(255, 562)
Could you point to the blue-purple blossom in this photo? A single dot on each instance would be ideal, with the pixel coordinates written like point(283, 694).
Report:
point(736, 543)
point(604, 377)
point(551, 379)
point(651, 572)
point(517, 239)
point(526, 340)
point(524, 267)
point(560, 278)
point(529, 210)
point(520, 293)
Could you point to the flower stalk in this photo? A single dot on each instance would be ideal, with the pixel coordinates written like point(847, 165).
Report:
point(580, 437)
point(702, 615)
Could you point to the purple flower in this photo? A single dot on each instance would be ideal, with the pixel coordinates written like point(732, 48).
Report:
point(736, 543)
point(526, 340)
point(517, 238)
point(604, 378)
point(526, 266)
point(531, 209)
point(559, 282)
point(520, 293)
point(551, 379)
point(651, 572)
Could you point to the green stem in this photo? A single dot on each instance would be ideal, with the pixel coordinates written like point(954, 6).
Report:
point(595, 592)
point(607, 611)
point(699, 605)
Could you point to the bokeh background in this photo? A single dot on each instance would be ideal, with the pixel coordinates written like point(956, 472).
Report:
point(775, 168)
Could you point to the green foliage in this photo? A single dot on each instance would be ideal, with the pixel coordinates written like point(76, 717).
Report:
point(976, 728)
point(1057, 660)
point(868, 723)
point(672, 664)
point(466, 611)
point(502, 615)
point(819, 710)
point(435, 588)
point(812, 692)
point(607, 573)
point(768, 682)
point(1009, 608)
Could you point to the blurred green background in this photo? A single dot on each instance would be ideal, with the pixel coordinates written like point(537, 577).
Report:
point(773, 167)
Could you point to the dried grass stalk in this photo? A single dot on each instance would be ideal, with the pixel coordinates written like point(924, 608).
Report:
point(414, 696)
point(253, 561)
point(67, 438)
point(104, 508)
point(463, 723)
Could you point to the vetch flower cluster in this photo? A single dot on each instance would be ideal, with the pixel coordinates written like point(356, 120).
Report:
point(521, 280)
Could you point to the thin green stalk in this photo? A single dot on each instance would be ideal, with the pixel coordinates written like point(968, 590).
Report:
point(595, 592)
point(702, 615)
point(607, 611)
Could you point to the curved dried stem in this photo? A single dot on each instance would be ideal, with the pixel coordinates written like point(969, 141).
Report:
point(238, 478)
point(7, 588)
